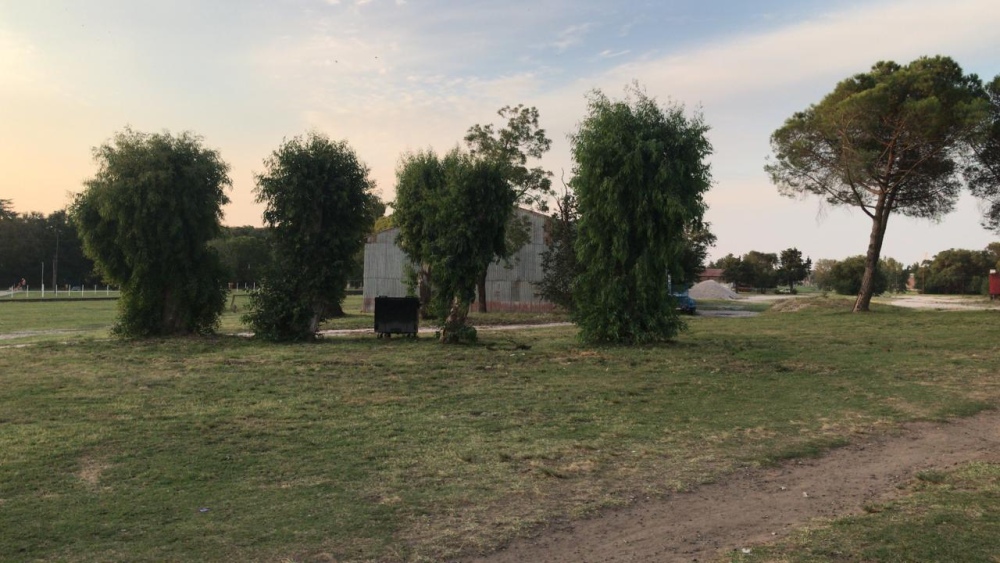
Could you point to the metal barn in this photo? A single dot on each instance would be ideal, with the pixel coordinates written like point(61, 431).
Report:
point(507, 289)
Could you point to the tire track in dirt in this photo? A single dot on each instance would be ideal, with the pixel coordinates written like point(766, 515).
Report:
point(756, 506)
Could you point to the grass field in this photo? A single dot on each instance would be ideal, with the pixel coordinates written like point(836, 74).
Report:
point(357, 448)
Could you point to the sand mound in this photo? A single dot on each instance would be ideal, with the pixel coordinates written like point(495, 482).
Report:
point(800, 304)
point(711, 289)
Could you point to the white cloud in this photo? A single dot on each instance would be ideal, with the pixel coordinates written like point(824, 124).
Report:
point(609, 54)
point(19, 65)
point(572, 35)
point(833, 46)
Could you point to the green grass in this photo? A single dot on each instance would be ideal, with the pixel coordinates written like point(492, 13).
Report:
point(944, 516)
point(357, 448)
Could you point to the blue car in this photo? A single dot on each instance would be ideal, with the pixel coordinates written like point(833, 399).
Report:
point(684, 302)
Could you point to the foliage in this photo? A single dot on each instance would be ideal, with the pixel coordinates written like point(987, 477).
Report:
point(471, 219)
point(640, 176)
point(821, 273)
point(763, 268)
point(559, 262)
point(319, 208)
point(958, 271)
point(146, 219)
point(983, 171)
point(754, 269)
point(510, 148)
point(420, 186)
point(886, 141)
point(31, 239)
point(452, 213)
point(993, 255)
point(845, 277)
point(791, 268)
point(897, 276)
point(726, 262)
point(6, 210)
point(698, 238)
point(245, 253)
point(383, 223)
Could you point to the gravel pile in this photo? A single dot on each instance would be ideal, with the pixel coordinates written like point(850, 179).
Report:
point(711, 289)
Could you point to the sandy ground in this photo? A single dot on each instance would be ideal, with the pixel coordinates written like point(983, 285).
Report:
point(758, 506)
point(911, 301)
point(943, 302)
point(29, 333)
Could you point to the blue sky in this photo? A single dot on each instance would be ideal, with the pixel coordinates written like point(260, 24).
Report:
point(394, 75)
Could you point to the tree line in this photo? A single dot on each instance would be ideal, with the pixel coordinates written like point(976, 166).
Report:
point(150, 222)
point(898, 139)
point(764, 270)
point(42, 249)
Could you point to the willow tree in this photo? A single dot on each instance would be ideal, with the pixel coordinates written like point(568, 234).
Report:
point(420, 184)
point(639, 177)
point(886, 141)
point(452, 213)
point(146, 220)
point(318, 210)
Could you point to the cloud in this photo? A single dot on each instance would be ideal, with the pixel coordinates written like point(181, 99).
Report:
point(572, 35)
point(609, 54)
point(835, 45)
point(419, 94)
point(19, 65)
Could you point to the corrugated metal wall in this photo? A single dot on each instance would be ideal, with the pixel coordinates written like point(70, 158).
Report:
point(507, 289)
point(384, 263)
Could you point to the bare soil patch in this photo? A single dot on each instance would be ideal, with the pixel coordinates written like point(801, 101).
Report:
point(944, 302)
point(752, 507)
point(30, 333)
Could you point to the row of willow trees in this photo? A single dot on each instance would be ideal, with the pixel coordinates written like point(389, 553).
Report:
point(149, 216)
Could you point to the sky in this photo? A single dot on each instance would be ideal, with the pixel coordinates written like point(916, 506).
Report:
point(391, 76)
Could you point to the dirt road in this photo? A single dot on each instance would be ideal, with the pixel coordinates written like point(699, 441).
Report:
point(757, 506)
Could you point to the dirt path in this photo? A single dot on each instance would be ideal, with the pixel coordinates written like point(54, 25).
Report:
point(758, 506)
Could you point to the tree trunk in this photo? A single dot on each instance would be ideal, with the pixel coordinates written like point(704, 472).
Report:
point(879, 222)
point(314, 320)
point(170, 322)
point(451, 332)
point(481, 290)
point(424, 291)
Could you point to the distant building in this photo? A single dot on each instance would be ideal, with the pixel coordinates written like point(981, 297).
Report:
point(714, 274)
point(507, 289)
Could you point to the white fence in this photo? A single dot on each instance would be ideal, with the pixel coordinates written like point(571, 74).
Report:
point(80, 292)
